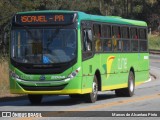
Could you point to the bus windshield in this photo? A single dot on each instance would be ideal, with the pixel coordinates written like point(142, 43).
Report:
point(43, 46)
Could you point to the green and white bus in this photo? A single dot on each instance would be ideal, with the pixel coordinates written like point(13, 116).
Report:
point(76, 54)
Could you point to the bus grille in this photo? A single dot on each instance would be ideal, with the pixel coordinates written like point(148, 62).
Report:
point(43, 88)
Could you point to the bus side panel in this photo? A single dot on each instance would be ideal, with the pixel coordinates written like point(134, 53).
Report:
point(112, 78)
point(89, 68)
point(116, 69)
point(142, 74)
point(139, 65)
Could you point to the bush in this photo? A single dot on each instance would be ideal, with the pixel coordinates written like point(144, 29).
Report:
point(4, 76)
point(154, 42)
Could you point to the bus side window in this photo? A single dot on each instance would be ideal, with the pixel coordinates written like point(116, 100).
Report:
point(116, 35)
point(116, 32)
point(143, 46)
point(106, 35)
point(87, 40)
point(142, 40)
point(134, 39)
point(142, 33)
point(106, 31)
point(125, 39)
point(107, 45)
point(125, 32)
point(126, 45)
point(134, 45)
point(97, 37)
point(133, 34)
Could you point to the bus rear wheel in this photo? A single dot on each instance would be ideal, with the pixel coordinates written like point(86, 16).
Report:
point(129, 91)
point(92, 97)
point(35, 99)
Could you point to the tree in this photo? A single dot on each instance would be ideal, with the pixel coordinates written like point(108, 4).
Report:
point(146, 10)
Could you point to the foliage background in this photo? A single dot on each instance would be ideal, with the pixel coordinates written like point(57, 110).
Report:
point(146, 10)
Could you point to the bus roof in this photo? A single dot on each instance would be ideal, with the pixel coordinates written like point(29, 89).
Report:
point(84, 16)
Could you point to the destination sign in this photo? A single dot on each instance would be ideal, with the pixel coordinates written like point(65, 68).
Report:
point(45, 18)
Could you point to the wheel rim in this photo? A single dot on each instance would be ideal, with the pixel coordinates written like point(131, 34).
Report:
point(131, 84)
point(95, 89)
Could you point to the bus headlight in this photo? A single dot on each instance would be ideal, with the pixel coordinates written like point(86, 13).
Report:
point(13, 74)
point(74, 73)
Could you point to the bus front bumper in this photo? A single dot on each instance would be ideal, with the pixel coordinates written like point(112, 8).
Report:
point(40, 83)
point(56, 87)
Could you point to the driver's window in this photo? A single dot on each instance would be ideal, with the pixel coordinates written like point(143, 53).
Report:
point(87, 40)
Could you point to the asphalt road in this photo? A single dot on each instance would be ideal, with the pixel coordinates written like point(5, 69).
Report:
point(146, 98)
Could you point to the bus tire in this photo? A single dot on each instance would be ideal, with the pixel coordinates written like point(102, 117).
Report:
point(35, 99)
point(92, 97)
point(129, 91)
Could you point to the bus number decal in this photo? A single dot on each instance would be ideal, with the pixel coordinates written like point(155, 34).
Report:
point(122, 63)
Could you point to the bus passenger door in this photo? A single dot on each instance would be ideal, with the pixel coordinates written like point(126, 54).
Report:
point(87, 59)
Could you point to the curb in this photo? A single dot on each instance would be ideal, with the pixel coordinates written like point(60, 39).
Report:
point(152, 51)
point(153, 75)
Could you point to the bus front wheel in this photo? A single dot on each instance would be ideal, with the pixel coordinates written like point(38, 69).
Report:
point(35, 99)
point(92, 97)
point(129, 91)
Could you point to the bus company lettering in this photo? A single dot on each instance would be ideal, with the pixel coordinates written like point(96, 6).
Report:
point(26, 77)
point(41, 18)
point(122, 63)
point(33, 18)
point(57, 77)
point(59, 18)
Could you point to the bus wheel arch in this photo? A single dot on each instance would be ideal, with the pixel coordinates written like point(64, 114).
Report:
point(98, 75)
point(131, 83)
point(129, 91)
point(132, 69)
point(92, 97)
point(96, 86)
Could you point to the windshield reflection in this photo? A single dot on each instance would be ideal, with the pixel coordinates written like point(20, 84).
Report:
point(43, 46)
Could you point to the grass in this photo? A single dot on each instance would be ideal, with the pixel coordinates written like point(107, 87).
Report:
point(4, 77)
point(154, 42)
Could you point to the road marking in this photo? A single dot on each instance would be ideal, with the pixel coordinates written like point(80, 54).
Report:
point(149, 80)
point(154, 67)
point(111, 104)
point(94, 107)
point(155, 60)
